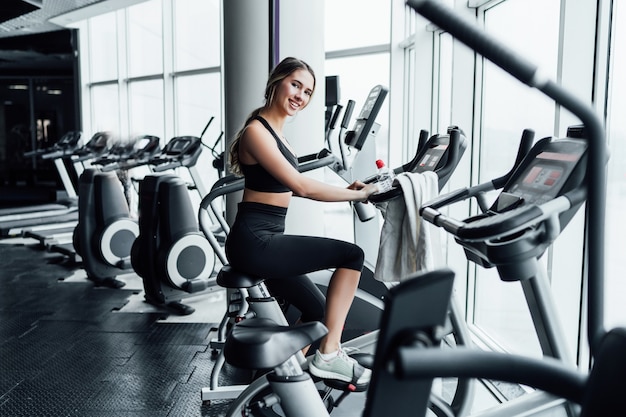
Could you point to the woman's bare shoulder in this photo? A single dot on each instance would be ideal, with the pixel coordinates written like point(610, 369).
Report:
point(256, 132)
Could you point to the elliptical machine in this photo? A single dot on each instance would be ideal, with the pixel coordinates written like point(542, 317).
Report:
point(106, 231)
point(173, 258)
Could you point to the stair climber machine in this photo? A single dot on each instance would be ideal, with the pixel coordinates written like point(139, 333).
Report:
point(534, 206)
point(172, 257)
point(106, 230)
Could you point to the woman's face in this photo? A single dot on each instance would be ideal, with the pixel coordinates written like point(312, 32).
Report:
point(294, 92)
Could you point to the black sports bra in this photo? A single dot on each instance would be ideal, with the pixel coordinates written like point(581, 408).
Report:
point(257, 178)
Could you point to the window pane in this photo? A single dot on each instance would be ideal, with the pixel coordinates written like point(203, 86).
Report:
point(146, 108)
point(355, 84)
point(357, 23)
point(444, 93)
point(105, 108)
point(145, 38)
point(196, 34)
point(616, 193)
point(103, 47)
point(197, 101)
point(507, 108)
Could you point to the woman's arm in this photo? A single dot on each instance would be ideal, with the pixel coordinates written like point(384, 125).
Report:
point(259, 146)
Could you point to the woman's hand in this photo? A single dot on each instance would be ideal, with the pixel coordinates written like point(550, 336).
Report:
point(367, 189)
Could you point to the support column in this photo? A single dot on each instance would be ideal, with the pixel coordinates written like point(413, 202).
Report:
point(245, 67)
point(254, 30)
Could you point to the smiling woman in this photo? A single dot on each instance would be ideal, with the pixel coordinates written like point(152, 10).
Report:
point(257, 244)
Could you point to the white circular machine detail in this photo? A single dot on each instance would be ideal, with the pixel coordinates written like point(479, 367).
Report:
point(198, 243)
point(106, 246)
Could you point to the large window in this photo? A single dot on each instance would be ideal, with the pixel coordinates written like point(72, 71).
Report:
point(105, 111)
point(145, 39)
point(351, 24)
point(103, 38)
point(360, 57)
point(616, 193)
point(154, 69)
point(197, 36)
point(146, 106)
point(508, 107)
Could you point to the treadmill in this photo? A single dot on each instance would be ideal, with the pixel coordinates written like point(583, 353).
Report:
point(14, 219)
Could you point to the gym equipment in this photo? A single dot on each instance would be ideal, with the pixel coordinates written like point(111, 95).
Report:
point(444, 152)
point(238, 305)
point(170, 254)
point(65, 146)
point(539, 199)
point(173, 259)
point(100, 269)
point(415, 310)
point(14, 220)
point(184, 151)
point(51, 235)
point(124, 156)
point(105, 232)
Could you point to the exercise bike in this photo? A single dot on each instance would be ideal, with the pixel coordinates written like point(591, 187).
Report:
point(443, 152)
point(446, 326)
point(552, 183)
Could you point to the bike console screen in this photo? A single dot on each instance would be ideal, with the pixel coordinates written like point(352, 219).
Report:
point(554, 170)
point(430, 159)
point(365, 123)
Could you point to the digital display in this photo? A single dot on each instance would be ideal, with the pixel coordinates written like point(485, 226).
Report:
point(431, 158)
point(179, 145)
point(543, 179)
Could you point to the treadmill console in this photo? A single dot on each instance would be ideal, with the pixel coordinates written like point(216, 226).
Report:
point(179, 151)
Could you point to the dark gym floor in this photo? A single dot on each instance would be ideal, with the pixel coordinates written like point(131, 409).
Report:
point(67, 348)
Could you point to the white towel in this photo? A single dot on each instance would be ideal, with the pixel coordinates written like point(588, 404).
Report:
point(408, 243)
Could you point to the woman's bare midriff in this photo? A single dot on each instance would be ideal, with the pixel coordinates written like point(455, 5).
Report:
point(273, 199)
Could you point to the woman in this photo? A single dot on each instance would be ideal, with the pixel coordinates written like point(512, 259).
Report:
point(257, 244)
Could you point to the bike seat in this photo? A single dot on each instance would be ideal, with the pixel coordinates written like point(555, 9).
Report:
point(259, 343)
point(228, 277)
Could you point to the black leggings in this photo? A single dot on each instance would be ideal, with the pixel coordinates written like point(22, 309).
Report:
point(257, 245)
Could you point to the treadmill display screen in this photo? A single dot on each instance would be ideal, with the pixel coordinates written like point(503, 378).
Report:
point(179, 146)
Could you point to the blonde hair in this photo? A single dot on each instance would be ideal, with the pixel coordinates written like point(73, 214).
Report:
point(280, 72)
